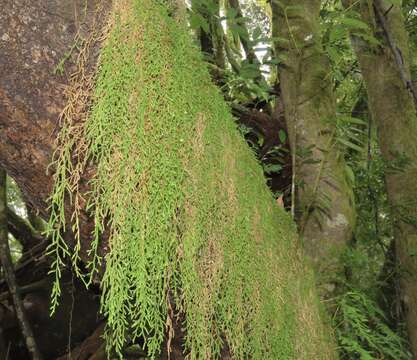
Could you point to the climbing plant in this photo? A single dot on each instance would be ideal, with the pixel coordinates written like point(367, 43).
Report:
point(176, 195)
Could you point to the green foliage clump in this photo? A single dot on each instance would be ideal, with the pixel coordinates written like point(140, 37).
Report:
point(177, 193)
point(362, 330)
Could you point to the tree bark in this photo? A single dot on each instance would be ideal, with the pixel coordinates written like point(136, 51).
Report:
point(37, 42)
point(392, 107)
point(321, 195)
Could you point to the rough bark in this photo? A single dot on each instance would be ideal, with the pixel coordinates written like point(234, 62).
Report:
point(392, 107)
point(36, 39)
point(322, 199)
point(93, 347)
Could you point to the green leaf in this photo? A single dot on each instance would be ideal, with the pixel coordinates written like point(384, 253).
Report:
point(351, 120)
point(212, 7)
point(231, 13)
point(280, 40)
point(272, 168)
point(367, 37)
point(197, 21)
point(239, 30)
point(272, 62)
point(349, 144)
point(337, 33)
point(353, 23)
point(249, 71)
point(282, 136)
point(334, 55)
point(350, 175)
point(257, 33)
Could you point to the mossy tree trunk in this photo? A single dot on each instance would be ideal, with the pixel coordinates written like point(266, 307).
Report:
point(321, 195)
point(393, 111)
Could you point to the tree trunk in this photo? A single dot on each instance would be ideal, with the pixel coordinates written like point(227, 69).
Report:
point(321, 195)
point(393, 110)
point(38, 48)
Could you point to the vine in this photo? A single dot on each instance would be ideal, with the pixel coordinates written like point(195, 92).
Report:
point(181, 212)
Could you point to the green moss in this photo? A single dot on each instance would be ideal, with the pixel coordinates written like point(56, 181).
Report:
point(189, 214)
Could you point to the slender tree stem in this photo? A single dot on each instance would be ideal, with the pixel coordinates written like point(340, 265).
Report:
point(8, 270)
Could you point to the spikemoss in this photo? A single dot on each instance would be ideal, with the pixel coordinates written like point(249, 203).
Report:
point(192, 225)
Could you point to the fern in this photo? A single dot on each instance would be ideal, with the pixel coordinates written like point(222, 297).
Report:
point(184, 230)
point(362, 330)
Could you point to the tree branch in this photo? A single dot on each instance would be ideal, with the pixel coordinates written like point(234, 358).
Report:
point(21, 230)
point(27, 289)
point(8, 270)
